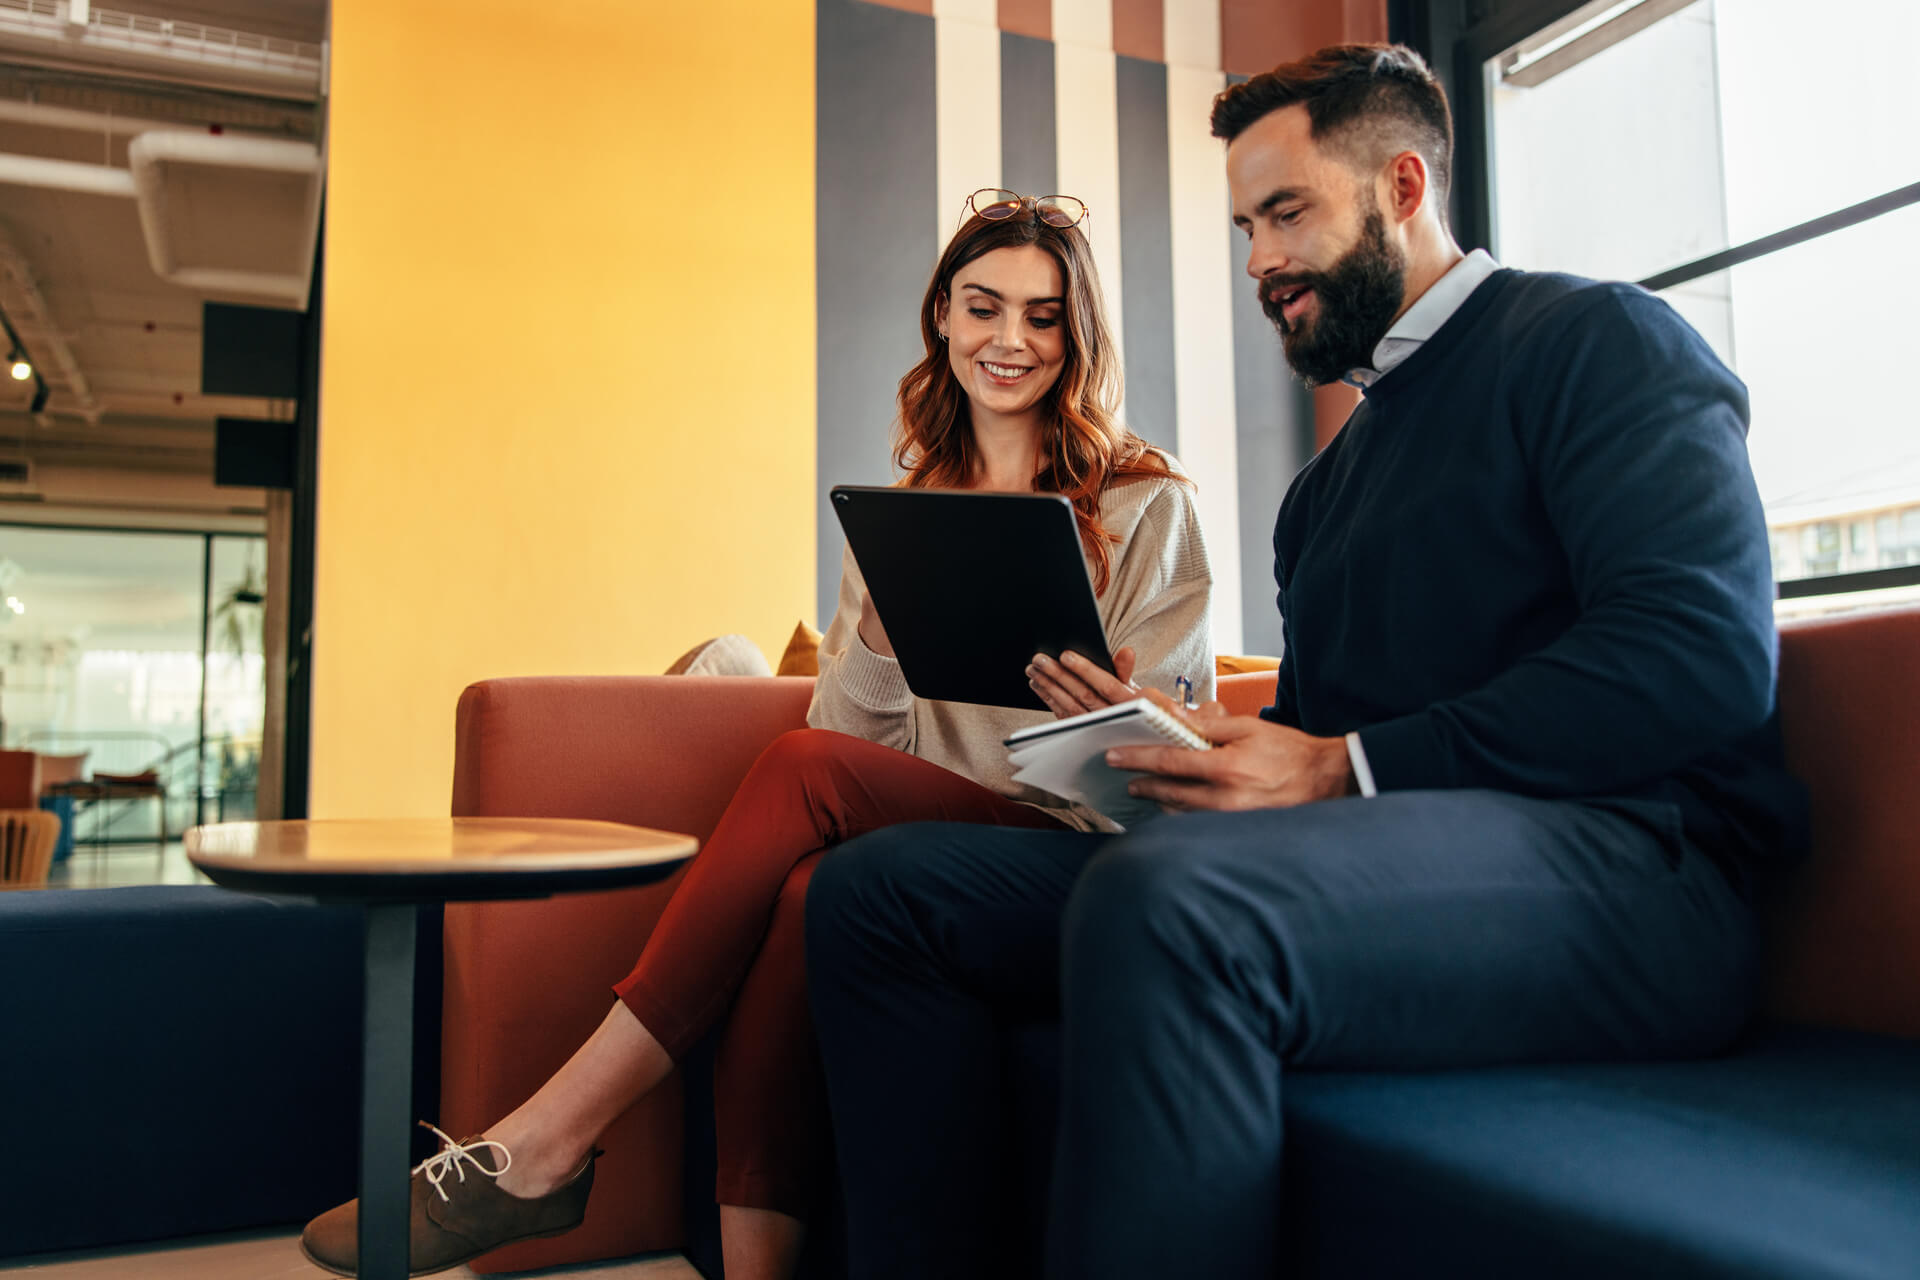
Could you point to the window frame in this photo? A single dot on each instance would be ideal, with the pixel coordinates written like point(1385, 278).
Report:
point(1458, 38)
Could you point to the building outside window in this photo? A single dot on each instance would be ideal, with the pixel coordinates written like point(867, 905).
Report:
point(1642, 139)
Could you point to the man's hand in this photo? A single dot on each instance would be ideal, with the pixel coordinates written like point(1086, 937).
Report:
point(872, 634)
point(1075, 685)
point(1254, 764)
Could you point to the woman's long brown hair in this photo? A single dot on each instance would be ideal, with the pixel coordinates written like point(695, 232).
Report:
point(1084, 450)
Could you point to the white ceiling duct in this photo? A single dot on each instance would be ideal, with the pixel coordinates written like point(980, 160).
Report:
point(221, 214)
point(65, 175)
point(204, 200)
point(46, 116)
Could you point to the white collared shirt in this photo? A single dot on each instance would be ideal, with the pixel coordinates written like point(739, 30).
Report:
point(1420, 322)
point(1423, 319)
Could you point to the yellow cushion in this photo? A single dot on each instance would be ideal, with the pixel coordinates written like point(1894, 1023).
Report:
point(802, 657)
point(1231, 664)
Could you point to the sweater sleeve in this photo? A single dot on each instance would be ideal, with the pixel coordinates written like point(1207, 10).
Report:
point(1160, 597)
point(1634, 439)
point(858, 691)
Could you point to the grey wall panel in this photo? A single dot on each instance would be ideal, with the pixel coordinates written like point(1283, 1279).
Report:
point(1274, 439)
point(1146, 249)
point(874, 242)
point(1029, 161)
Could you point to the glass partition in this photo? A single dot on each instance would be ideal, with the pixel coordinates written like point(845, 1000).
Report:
point(135, 655)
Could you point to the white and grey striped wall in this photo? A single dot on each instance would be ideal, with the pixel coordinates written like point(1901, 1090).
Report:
point(921, 102)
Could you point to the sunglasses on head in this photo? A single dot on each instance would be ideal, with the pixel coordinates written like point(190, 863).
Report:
point(997, 205)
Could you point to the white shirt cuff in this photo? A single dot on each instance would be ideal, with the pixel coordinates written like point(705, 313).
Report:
point(1362, 771)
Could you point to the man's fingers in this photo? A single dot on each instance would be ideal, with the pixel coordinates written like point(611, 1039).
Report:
point(1167, 704)
point(1175, 762)
point(1218, 725)
point(1175, 796)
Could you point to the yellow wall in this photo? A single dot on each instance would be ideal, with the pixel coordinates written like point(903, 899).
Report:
point(567, 393)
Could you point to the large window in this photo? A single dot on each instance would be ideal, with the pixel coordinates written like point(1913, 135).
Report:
point(137, 651)
point(1773, 198)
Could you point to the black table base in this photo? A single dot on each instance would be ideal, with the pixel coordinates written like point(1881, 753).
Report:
point(386, 1084)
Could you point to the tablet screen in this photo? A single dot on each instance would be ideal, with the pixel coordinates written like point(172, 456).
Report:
point(971, 585)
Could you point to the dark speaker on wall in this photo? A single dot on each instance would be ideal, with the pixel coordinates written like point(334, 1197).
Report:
point(259, 455)
point(250, 351)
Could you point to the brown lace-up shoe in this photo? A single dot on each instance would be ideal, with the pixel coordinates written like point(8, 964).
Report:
point(457, 1212)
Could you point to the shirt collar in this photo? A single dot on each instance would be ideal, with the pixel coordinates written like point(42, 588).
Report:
point(1423, 319)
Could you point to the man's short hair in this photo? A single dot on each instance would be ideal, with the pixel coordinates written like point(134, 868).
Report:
point(1375, 100)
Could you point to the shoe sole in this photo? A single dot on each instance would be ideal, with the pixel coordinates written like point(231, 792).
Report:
point(457, 1262)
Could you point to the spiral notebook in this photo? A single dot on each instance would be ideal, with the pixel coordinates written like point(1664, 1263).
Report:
point(1069, 757)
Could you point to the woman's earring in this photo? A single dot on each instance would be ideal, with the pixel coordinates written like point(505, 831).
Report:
point(943, 335)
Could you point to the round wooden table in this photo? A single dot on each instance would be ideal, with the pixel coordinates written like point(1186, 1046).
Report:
point(389, 868)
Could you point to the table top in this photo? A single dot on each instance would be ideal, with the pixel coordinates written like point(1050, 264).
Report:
point(434, 859)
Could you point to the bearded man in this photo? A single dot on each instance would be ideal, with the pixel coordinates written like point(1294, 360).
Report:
point(1522, 762)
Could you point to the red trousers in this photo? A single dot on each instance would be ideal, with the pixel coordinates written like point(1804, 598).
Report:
point(730, 945)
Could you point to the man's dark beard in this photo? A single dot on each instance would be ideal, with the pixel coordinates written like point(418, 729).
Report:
point(1356, 303)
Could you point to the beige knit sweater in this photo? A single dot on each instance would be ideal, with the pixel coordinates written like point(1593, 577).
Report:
point(1157, 602)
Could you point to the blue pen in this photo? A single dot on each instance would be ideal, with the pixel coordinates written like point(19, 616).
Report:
point(1184, 688)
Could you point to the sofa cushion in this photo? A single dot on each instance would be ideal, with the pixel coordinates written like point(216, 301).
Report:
point(729, 655)
point(176, 1060)
point(1798, 1156)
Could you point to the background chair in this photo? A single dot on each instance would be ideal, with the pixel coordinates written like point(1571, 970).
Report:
point(27, 838)
point(19, 779)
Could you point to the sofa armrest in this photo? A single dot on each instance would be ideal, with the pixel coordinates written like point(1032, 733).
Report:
point(1246, 694)
point(1844, 924)
point(527, 982)
point(655, 751)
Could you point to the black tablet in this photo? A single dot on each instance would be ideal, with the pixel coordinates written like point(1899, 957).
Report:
point(971, 585)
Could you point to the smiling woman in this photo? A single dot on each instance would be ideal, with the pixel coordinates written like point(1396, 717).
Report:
point(1004, 340)
point(1019, 353)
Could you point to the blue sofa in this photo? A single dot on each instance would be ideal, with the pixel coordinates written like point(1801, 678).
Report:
point(176, 1060)
point(1793, 1156)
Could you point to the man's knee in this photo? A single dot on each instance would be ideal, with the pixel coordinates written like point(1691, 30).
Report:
point(1142, 891)
point(855, 886)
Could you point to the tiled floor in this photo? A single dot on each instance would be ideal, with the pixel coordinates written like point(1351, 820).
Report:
point(275, 1255)
point(116, 865)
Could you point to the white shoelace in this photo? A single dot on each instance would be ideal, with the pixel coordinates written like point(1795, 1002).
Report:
point(452, 1153)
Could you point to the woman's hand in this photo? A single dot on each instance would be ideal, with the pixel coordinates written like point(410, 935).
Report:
point(1074, 685)
point(872, 634)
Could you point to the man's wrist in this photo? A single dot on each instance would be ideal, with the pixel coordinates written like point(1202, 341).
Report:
point(1340, 777)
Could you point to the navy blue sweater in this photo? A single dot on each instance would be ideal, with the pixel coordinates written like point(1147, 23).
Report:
point(1534, 560)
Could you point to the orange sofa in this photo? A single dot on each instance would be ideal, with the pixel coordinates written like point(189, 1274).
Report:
point(526, 982)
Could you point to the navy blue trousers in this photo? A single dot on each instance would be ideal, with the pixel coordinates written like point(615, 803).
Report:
point(1196, 960)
